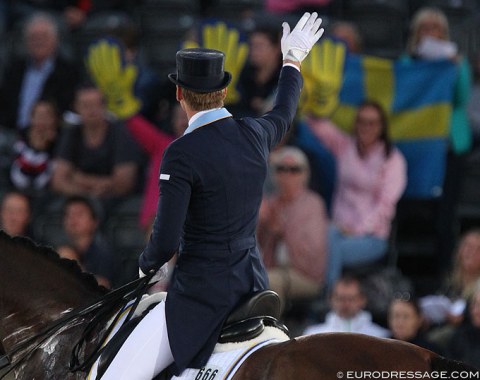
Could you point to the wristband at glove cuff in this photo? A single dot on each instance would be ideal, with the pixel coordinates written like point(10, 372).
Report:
point(297, 54)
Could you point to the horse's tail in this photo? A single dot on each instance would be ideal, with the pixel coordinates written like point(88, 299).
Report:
point(453, 368)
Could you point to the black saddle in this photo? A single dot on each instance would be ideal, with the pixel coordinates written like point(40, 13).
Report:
point(248, 320)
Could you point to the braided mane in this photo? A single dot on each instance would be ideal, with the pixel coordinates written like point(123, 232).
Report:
point(70, 266)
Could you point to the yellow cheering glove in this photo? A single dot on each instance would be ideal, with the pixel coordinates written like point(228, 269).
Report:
point(220, 37)
point(323, 75)
point(106, 65)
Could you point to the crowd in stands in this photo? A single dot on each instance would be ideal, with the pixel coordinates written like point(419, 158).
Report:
point(78, 141)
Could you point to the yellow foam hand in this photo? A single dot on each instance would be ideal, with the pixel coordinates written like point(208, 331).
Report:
point(323, 75)
point(106, 66)
point(220, 37)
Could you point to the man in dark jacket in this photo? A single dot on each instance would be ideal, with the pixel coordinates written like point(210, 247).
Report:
point(211, 189)
point(41, 74)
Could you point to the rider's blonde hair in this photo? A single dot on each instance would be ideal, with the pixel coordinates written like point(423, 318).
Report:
point(204, 101)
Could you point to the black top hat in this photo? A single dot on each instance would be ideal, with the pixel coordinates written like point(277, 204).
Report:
point(200, 70)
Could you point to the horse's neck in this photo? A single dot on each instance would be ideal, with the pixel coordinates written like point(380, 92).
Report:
point(37, 288)
point(32, 311)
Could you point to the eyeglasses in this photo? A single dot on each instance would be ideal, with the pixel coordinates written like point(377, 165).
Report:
point(288, 169)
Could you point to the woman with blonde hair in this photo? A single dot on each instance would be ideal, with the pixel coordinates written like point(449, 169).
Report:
point(427, 21)
point(458, 285)
point(447, 308)
point(465, 342)
point(466, 267)
point(430, 40)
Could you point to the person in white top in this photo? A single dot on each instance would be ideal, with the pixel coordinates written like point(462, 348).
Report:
point(348, 312)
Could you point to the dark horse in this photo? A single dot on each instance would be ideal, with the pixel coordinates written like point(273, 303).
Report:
point(38, 289)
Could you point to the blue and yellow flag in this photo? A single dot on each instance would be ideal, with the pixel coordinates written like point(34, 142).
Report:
point(417, 96)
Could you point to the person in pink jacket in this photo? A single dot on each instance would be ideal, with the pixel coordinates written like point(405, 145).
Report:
point(371, 178)
point(154, 142)
point(292, 229)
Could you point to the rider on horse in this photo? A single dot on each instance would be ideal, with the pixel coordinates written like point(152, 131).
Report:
point(211, 189)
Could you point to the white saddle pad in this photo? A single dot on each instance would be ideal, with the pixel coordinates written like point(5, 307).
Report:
point(228, 357)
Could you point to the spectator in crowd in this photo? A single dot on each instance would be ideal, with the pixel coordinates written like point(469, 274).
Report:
point(465, 342)
point(466, 269)
point(405, 321)
point(72, 13)
point(32, 168)
point(429, 39)
point(41, 74)
point(15, 214)
point(371, 177)
point(347, 32)
point(81, 226)
point(147, 87)
point(446, 310)
point(67, 251)
point(154, 142)
point(258, 79)
point(348, 314)
point(292, 229)
point(96, 158)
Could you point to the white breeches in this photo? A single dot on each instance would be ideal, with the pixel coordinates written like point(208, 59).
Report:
point(146, 352)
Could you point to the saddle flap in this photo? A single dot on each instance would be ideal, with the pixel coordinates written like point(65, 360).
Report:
point(247, 329)
point(242, 330)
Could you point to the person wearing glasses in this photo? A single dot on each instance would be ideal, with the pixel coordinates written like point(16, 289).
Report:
point(292, 229)
point(371, 178)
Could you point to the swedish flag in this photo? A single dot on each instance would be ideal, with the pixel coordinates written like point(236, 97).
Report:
point(417, 96)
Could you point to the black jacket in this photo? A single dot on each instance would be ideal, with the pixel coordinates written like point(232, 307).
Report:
point(208, 210)
point(60, 86)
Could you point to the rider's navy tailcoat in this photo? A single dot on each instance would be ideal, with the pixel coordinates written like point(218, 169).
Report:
point(211, 189)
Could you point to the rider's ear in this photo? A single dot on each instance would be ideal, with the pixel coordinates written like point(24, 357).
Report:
point(179, 94)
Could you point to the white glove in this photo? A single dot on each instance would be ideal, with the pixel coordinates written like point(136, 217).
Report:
point(161, 274)
point(297, 44)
